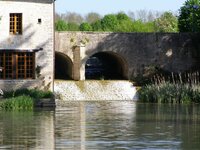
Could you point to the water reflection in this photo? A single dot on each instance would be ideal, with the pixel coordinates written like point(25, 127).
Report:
point(103, 125)
point(27, 130)
point(127, 125)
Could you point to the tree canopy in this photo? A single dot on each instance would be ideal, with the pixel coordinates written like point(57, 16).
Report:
point(167, 22)
point(120, 22)
point(189, 18)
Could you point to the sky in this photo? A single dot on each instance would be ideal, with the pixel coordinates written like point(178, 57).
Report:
point(113, 6)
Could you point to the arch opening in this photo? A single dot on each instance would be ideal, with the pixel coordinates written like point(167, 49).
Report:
point(106, 65)
point(63, 67)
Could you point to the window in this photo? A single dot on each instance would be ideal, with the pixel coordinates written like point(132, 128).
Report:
point(15, 23)
point(17, 65)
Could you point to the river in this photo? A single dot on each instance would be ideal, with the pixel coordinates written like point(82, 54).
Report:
point(107, 125)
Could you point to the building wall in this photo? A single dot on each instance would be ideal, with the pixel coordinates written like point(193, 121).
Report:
point(174, 52)
point(34, 36)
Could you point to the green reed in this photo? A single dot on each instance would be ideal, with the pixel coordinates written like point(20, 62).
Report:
point(177, 88)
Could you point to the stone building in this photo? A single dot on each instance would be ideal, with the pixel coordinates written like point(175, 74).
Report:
point(26, 44)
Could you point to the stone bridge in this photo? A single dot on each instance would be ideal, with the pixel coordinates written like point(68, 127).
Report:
point(125, 54)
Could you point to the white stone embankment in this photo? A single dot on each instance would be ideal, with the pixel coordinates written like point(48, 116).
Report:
point(94, 90)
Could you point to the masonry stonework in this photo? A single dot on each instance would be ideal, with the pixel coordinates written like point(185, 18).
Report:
point(35, 35)
point(174, 52)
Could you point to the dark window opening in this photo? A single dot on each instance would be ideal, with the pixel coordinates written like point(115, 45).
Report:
point(17, 65)
point(39, 20)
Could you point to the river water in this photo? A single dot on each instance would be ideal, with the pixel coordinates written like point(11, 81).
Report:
point(117, 125)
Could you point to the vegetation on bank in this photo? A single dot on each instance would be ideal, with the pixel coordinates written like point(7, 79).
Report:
point(23, 102)
point(23, 99)
point(183, 89)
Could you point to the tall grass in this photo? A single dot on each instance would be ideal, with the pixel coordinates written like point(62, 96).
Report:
point(23, 99)
point(179, 88)
point(17, 103)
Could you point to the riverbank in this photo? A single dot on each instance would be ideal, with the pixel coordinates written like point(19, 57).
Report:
point(26, 99)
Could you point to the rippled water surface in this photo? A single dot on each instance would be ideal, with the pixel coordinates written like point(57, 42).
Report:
point(103, 125)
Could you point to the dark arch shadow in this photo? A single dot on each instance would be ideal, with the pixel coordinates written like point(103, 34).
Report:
point(63, 67)
point(106, 65)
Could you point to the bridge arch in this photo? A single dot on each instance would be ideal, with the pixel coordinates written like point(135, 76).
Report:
point(63, 66)
point(106, 65)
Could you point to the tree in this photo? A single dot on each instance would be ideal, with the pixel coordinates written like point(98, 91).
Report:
point(167, 22)
point(85, 27)
point(139, 26)
point(109, 22)
point(61, 25)
point(189, 16)
point(125, 23)
point(121, 16)
point(96, 26)
point(92, 17)
point(73, 26)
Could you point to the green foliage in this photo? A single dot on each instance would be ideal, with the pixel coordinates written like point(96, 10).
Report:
point(85, 27)
point(139, 26)
point(120, 22)
point(174, 90)
point(189, 18)
point(122, 16)
point(168, 93)
point(96, 26)
point(73, 26)
point(36, 94)
point(23, 99)
point(167, 22)
point(61, 25)
point(109, 23)
point(125, 24)
point(18, 103)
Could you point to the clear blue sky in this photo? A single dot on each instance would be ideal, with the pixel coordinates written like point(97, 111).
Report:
point(114, 6)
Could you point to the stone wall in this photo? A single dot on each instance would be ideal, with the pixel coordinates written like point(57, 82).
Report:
point(175, 52)
point(35, 36)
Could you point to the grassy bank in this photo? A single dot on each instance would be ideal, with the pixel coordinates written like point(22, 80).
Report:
point(23, 99)
point(172, 91)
